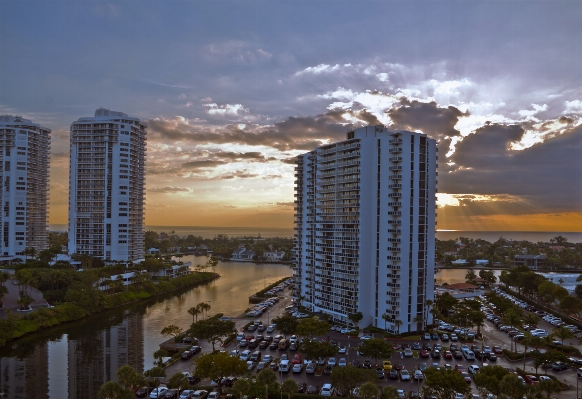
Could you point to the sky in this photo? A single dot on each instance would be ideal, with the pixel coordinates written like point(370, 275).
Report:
point(232, 91)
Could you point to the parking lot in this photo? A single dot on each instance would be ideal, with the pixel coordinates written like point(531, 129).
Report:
point(492, 336)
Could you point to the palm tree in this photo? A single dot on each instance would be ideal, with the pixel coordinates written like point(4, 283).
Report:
point(111, 390)
point(419, 321)
point(562, 333)
point(204, 307)
point(386, 317)
point(398, 323)
point(194, 312)
point(513, 318)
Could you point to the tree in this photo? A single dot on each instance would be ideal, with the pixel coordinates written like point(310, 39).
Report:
point(128, 377)
point(217, 366)
point(444, 384)
point(389, 392)
point(159, 354)
point(376, 348)
point(571, 304)
point(267, 377)
point(548, 387)
point(562, 333)
point(355, 317)
point(286, 323)
point(470, 277)
point(156, 372)
point(204, 307)
point(242, 386)
point(213, 330)
point(194, 312)
point(318, 350)
point(112, 390)
point(488, 380)
point(513, 317)
point(349, 377)
point(386, 318)
point(312, 327)
point(178, 380)
point(578, 289)
point(512, 387)
point(444, 302)
point(368, 390)
point(171, 331)
point(289, 386)
point(398, 323)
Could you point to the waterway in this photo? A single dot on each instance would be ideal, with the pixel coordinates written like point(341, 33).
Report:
point(74, 360)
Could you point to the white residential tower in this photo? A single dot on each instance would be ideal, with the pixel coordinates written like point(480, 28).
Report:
point(106, 186)
point(365, 228)
point(24, 169)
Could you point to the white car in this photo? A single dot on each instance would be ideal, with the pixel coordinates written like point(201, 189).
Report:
point(418, 375)
point(404, 375)
point(407, 352)
point(267, 358)
point(342, 362)
point(400, 393)
point(301, 315)
point(234, 353)
point(158, 392)
point(342, 349)
point(473, 369)
point(365, 337)
point(213, 395)
point(331, 361)
point(326, 390)
point(297, 368)
point(344, 330)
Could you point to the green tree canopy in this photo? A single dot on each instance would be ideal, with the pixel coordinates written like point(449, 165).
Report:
point(213, 330)
point(488, 380)
point(171, 331)
point(286, 323)
point(444, 384)
point(368, 390)
point(112, 390)
point(376, 348)
point(349, 377)
point(311, 327)
point(217, 366)
point(316, 349)
point(512, 387)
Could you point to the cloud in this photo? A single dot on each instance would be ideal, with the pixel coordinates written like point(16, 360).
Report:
point(289, 204)
point(239, 174)
point(169, 190)
point(573, 107)
point(226, 109)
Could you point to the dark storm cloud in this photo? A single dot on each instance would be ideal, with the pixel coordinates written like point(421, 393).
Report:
point(545, 176)
point(297, 132)
point(250, 156)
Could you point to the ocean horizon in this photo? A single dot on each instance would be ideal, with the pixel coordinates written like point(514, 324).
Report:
point(491, 236)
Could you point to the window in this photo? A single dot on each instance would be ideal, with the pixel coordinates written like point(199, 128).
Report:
point(123, 214)
point(20, 153)
point(122, 225)
point(21, 148)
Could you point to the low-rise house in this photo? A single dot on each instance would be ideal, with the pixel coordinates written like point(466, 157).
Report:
point(242, 255)
point(153, 251)
point(274, 256)
point(534, 262)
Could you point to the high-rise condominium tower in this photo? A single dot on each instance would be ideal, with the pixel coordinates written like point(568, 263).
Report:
point(365, 228)
point(24, 168)
point(106, 186)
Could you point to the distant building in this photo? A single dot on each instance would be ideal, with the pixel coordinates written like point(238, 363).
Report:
point(481, 262)
point(460, 262)
point(24, 183)
point(106, 186)
point(242, 255)
point(274, 256)
point(534, 262)
point(153, 251)
point(566, 280)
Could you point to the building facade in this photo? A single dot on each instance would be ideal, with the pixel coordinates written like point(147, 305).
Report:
point(365, 228)
point(24, 168)
point(107, 186)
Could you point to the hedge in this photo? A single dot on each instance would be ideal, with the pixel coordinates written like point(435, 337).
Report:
point(262, 292)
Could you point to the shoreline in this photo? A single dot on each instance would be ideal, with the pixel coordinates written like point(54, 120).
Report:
point(63, 314)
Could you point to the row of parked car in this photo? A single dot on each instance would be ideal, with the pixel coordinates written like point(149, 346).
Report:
point(260, 308)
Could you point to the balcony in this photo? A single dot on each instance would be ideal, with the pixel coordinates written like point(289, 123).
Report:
point(395, 150)
point(395, 159)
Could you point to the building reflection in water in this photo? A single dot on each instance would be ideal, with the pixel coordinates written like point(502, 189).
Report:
point(87, 359)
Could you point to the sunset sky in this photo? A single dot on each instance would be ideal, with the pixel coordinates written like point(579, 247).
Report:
point(233, 90)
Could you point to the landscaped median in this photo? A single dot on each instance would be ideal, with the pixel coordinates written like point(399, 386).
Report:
point(87, 302)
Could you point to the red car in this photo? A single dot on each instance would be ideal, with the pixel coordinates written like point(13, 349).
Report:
point(448, 355)
point(532, 379)
point(459, 367)
point(424, 353)
point(466, 377)
point(248, 337)
point(497, 349)
point(296, 359)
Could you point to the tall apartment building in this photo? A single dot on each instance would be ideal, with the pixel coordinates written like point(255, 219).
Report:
point(106, 186)
point(24, 169)
point(365, 228)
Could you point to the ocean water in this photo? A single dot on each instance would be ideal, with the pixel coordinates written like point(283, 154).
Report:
point(491, 236)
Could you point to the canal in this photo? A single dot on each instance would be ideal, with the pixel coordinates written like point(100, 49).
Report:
point(74, 360)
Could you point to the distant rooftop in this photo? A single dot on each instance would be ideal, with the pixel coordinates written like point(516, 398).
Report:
point(107, 114)
point(18, 120)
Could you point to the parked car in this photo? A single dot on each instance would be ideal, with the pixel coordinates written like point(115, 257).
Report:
point(418, 375)
point(326, 390)
point(310, 368)
point(143, 392)
point(297, 368)
point(158, 392)
point(404, 375)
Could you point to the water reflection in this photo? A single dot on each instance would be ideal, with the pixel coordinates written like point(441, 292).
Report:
point(74, 360)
